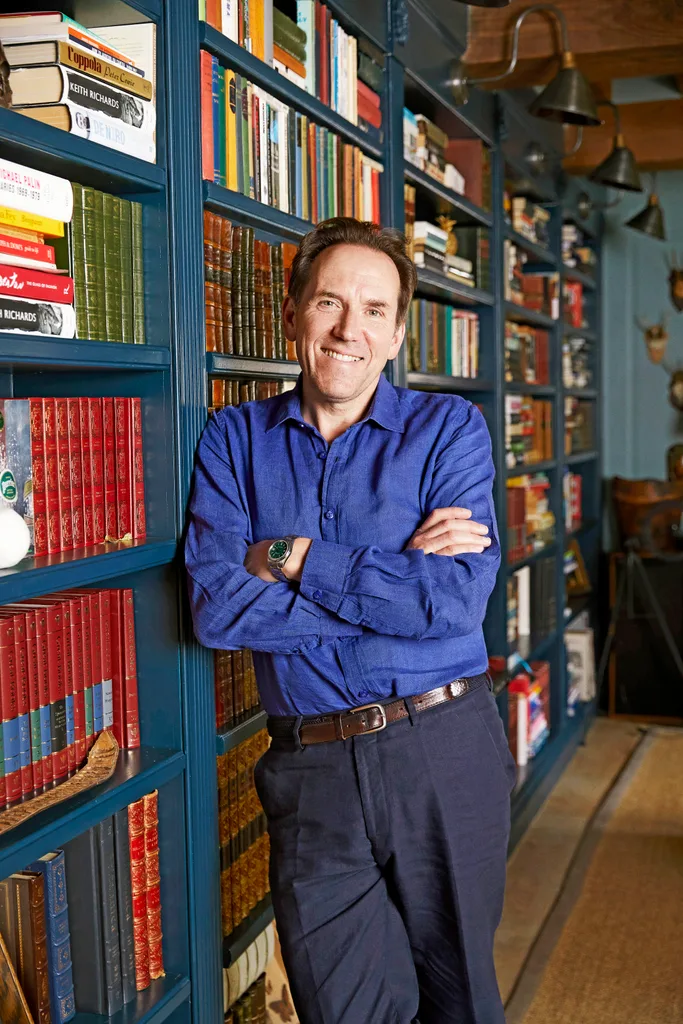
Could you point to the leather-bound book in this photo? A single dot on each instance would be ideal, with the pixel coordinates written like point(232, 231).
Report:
point(62, 1000)
point(124, 892)
point(154, 930)
point(138, 876)
point(28, 895)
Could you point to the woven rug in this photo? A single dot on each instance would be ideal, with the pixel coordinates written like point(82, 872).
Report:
point(611, 950)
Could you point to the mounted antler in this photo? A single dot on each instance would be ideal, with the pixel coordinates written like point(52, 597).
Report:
point(656, 337)
point(675, 280)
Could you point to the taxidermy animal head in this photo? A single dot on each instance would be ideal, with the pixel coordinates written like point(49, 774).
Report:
point(656, 339)
point(675, 281)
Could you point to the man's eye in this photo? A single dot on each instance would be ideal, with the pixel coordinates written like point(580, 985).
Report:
point(375, 312)
point(327, 302)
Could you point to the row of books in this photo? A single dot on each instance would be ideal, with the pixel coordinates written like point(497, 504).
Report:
point(527, 218)
point(262, 148)
point(529, 711)
point(462, 165)
point(539, 292)
point(576, 250)
point(442, 339)
point(80, 81)
point(530, 520)
point(235, 392)
point(68, 670)
point(462, 253)
point(245, 283)
point(89, 279)
point(236, 690)
point(528, 430)
point(527, 354)
point(572, 303)
point(245, 984)
point(81, 926)
point(572, 496)
point(577, 360)
point(243, 837)
point(579, 425)
point(73, 468)
point(531, 603)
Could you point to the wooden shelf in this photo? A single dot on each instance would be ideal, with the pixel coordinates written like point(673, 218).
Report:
point(231, 738)
point(259, 919)
point(521, 315)
point(152, 1006)
point(441, 382)
point(137, 772)
point(439, 286)
point(219, 365)
point(254, 214)
point(468, 212)
point(83, 567)
point(30, 352)
point(236, 57)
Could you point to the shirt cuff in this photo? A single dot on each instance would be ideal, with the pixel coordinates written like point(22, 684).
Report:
point(324, 573)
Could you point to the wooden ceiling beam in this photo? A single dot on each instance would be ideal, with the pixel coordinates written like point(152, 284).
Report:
point(651, 130)
point(610, 39)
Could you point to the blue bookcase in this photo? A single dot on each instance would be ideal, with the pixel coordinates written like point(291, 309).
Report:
point(171, 374)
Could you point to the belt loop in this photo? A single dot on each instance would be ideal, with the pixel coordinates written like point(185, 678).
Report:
point(412, 711)
point(489, 680)
point(297, 737)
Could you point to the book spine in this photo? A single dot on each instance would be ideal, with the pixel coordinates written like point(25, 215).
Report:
point(106, 656)
point(118, 668)
point(78, 264)
point(138, 877)
point(31, 191)
point(137, 250)
point(31, 222)
point(76, 471)
point(88, 669)
point(123, 450)
point(125, 904)
point(64, 467)
point(51, 474)
point(110, 917)
point(28, 890)
point(93, 248)
point(77, 683)
point(91, 65)
point(85, 920)
point(43, 667)
point(68, 685)
point(112, 268)
point(109, 448)
point(124, 214)
point(34, 670)
point(62, 1003)
point(154, 931)
point(137, 472)
point(130, 689)
point(32, 284)
point(96, 661)
point(36, 316)
point(96, 448)
point(23, 703)
point(206, 71)
point(10, 724)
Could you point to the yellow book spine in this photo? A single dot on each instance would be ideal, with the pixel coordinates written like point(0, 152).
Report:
point(257, 27)
point(31, 222)
point(231, 130)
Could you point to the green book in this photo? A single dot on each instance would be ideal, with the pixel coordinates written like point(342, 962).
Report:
point(124, 213)
point(112, 268)
point(138, 275)
point(94, 263)
point(251, 292)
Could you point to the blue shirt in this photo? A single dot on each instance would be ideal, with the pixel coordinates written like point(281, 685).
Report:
point(368, 620)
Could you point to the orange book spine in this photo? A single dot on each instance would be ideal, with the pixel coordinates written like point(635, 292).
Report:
point(154, 931)
point(137, 478)
point(138, 877)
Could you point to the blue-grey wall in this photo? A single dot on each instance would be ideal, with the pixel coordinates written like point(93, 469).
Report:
point(639, 423)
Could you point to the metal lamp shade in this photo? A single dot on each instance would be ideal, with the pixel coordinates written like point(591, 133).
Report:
point(568, 98)
point(649, 221)
point(619, 169)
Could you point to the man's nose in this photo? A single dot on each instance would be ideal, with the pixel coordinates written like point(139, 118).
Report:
point(348, 325)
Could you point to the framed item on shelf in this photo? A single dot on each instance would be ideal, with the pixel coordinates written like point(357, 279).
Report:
point(576, 576)
point(581, 662)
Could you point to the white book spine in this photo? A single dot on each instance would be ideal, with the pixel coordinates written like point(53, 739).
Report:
point(23, 188)
point(305, 19)
point(263, 132)
point(229, 19)
point(112, 133)
point(284, 157)
point(32, 316)
point(522, 729)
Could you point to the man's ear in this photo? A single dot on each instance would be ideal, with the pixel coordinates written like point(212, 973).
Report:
point(398, 341)
point(289, 318)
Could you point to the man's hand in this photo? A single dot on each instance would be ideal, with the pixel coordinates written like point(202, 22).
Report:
point(256, 560)
point(450, 531)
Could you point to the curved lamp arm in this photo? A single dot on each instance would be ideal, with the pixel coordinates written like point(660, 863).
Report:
point(515, 40)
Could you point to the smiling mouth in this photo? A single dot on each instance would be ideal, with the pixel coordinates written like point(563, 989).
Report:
point(340, 357)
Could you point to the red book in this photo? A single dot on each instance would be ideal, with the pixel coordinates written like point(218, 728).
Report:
point(206, 72)
point(106, 656)
point(137, 470)
point(77, 678)
point(83, 704)
point(64, 603)
point(96, 446)
point(368, 94)
point(40, 531)
point(51, 475)
point(32, 284)
point(130, 680)
point(153, 878)
point(76, 470)
point(96, 661)
point(37, 669)
point(21, 252)
point(56, 676)
point(109, 452)
point(86, 472)
point(64, 475)
point(369, 113)
point(117, 665)
point(21, 698)
point(138, 878)
point(375, 195)
point(123, 451)
point(11, 782)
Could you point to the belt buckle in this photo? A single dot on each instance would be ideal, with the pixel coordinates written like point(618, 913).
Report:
point(367, 707)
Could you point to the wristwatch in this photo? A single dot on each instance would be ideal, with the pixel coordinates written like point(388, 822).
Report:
point(278, 553)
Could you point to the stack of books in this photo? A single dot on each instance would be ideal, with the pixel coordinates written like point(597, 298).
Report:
point(35, 297)
point(528, 430)
point(73, 78)
point(81, 927)
point(530, 520)
point(248, 24)
point(235, 392)
point(579, 425)
point(68, 668)
point(246, 281)
point(538, 292)
point(429, 244)
point(577, 371)
point(262, 148)
point(244, 983)
point(572, 494)
point(236, 691)
point(529, 711)
point(330, 58)
point(576, 252)
point(442, 339)
point(528, 219)
point(572, 303)
point(527, 354)
point(289, 48)
point(73, 468)
point(532, 603)
point(244, 845)
point(462, 165)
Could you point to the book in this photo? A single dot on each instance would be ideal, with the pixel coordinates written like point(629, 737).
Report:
point(13, 1006)
point(37, 192)
point(153, 882)
point(125, 904)
point(35, 27)
point(139, 42)
point(32, 284)
point(62, 1001)
point(12, 218)
point(36, 77)
point(36, 316)
point(138, 875)
point(27, 892)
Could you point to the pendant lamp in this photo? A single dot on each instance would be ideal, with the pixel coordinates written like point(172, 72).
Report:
point(619, 169)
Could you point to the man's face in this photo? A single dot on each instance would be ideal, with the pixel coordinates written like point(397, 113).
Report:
point(345, 324)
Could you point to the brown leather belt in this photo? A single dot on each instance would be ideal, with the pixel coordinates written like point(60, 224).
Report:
point(369, 718)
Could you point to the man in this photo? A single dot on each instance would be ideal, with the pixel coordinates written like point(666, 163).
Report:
point(345, 532)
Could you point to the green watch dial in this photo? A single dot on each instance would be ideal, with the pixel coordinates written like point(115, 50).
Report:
point(277, 549)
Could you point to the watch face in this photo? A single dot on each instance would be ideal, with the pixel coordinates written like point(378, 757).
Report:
point(277, 549)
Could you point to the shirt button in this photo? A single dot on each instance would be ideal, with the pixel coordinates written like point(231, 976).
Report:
point(363, 693)
point(317, 595)
point(322, 455)
point(329, 514)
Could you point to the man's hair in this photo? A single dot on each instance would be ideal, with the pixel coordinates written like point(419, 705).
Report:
point(348, 231)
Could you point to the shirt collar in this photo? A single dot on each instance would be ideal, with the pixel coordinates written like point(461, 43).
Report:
point(385, 409)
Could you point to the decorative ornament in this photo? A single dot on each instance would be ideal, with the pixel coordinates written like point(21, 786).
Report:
point(656, 337)
point(676, 389)
point(15, 539)
point(5, 87)
point(675, 281)
point(447, 224)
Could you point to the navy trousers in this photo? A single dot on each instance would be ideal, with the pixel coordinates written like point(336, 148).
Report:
point(388, 860)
